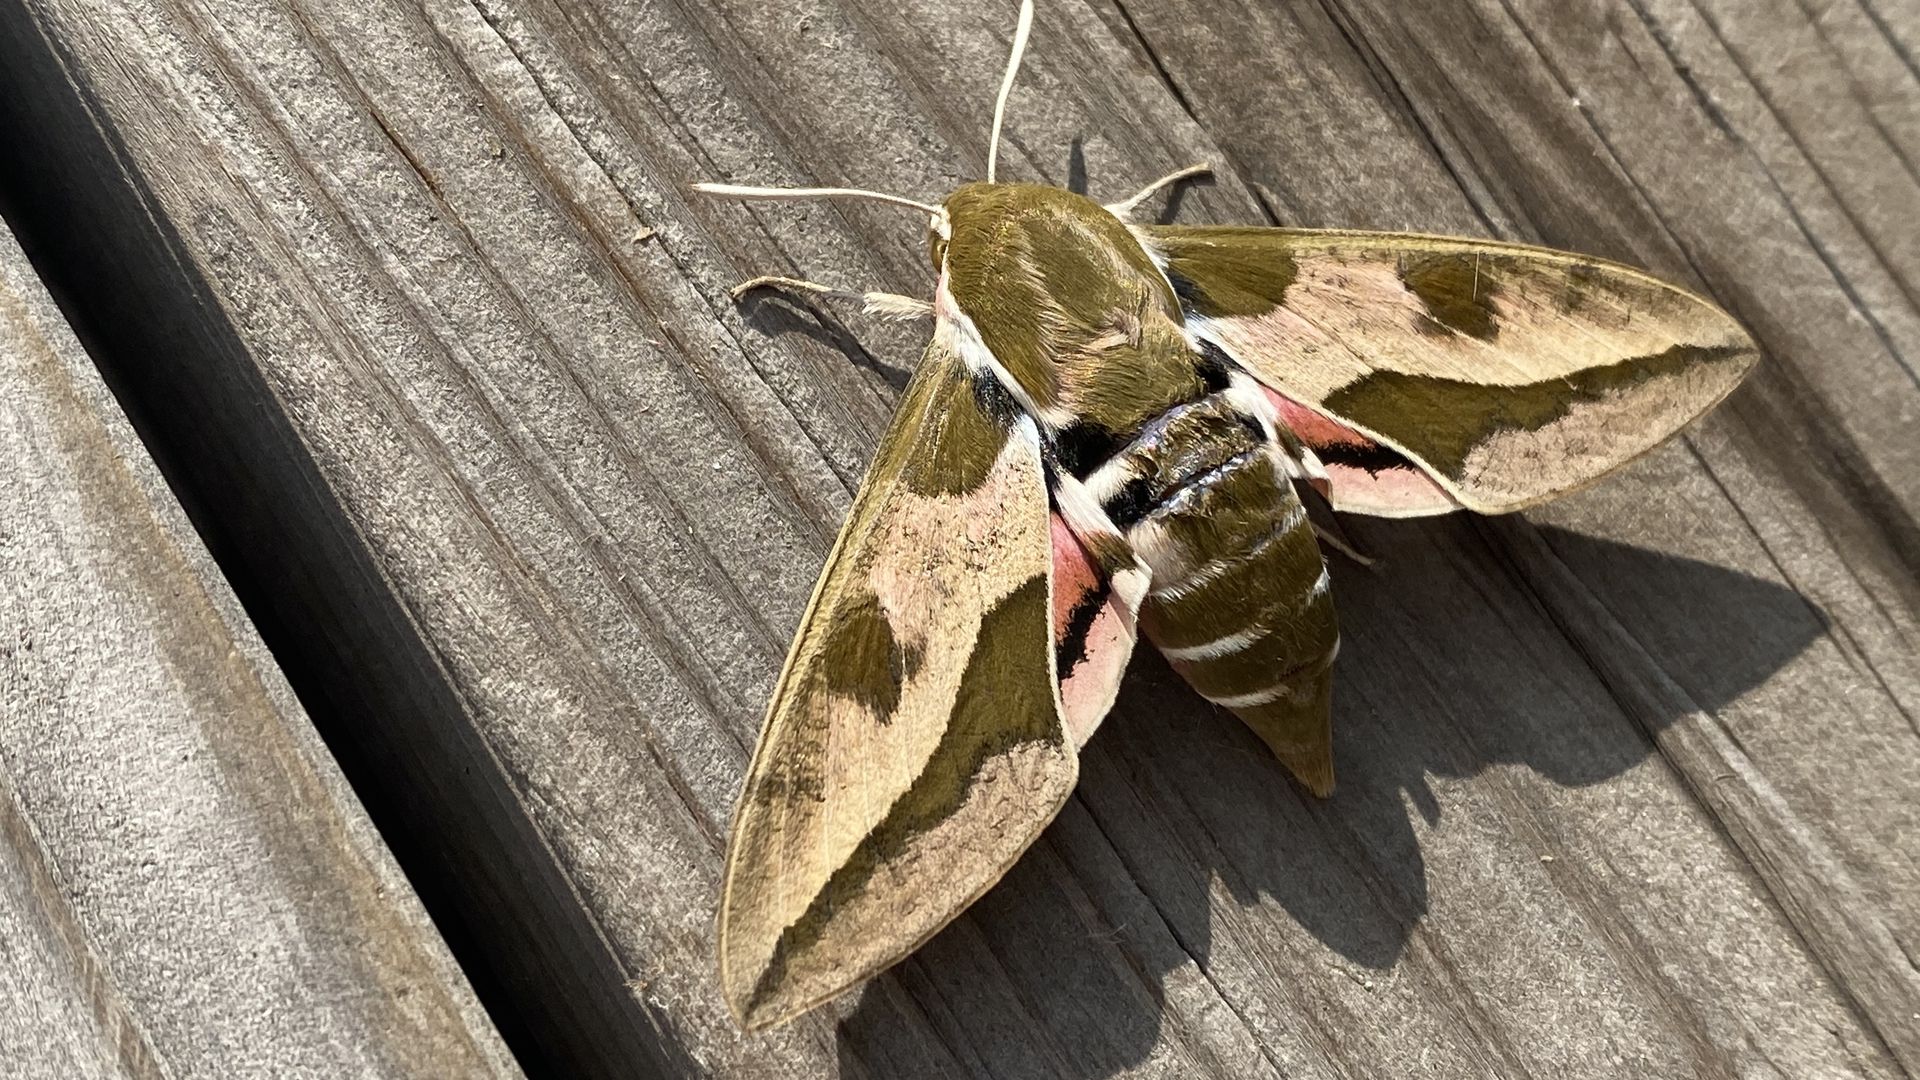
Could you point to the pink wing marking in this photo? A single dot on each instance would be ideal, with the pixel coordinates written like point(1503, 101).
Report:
point(1363, 476)
point(1093, 635)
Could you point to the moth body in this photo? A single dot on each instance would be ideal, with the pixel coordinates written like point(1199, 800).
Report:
point(1239, 603)
point(1177, 445)
point(1104, 439)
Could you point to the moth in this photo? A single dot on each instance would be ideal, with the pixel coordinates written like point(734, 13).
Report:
point(1103, 440)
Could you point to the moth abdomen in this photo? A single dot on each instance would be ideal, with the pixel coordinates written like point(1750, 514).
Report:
point(1239, 604)
point(1254, 631)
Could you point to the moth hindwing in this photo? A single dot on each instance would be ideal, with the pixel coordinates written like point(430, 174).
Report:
point(1103, 440)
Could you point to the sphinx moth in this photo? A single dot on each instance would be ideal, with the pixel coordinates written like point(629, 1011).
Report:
point(1103, 439)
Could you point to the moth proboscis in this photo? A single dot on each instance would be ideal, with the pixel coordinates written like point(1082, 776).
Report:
point(1103, 439)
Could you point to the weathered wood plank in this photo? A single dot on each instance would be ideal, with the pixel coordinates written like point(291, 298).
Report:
point(531, 507)
point(187, 886)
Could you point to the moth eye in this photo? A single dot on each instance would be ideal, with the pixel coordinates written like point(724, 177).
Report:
point(936, 248)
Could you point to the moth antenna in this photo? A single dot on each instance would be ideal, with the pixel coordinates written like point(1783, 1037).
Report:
point(1125, 206)
point(740, 191)
point(1020, 33)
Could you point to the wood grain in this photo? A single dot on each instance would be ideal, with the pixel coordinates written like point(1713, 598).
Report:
point(187, 886)
point(412, 303)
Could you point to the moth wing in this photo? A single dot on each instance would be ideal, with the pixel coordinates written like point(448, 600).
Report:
point(1094, 632)
point(1431, 372)
point(915, 745)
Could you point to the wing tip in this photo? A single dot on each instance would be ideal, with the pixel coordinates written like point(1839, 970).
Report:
point(755, 1012)
point(1748, 357)
point(783, 986)
point(757, 1004)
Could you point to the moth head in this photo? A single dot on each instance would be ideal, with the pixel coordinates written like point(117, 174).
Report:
point(939, 234)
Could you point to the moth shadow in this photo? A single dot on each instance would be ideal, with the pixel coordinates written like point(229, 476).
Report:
point(1171, 202)
point(1184, 833)
point(776, 314)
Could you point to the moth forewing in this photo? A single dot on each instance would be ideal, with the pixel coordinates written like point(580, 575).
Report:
point(915, 745)
point(1507, 374)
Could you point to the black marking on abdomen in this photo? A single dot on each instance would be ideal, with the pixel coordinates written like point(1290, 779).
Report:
point(1133, 502)
point(1216, 368)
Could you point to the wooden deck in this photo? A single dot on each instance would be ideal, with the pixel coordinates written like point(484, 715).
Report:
point(187, 885)
point(409, 302)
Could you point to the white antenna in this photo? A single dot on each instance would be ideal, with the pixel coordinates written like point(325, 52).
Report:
point(1020, 34)
point(738, 191)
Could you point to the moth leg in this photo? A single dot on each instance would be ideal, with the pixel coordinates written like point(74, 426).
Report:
point(1338, 542)
point(1124, 207)
point(883, 304)
point(1304, 466)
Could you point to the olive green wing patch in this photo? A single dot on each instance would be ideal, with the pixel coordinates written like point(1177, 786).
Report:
point(914, 746)
point(1508, 374)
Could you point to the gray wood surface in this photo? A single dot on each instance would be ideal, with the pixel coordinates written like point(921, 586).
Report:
point(187, 885)
point(412, 302)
